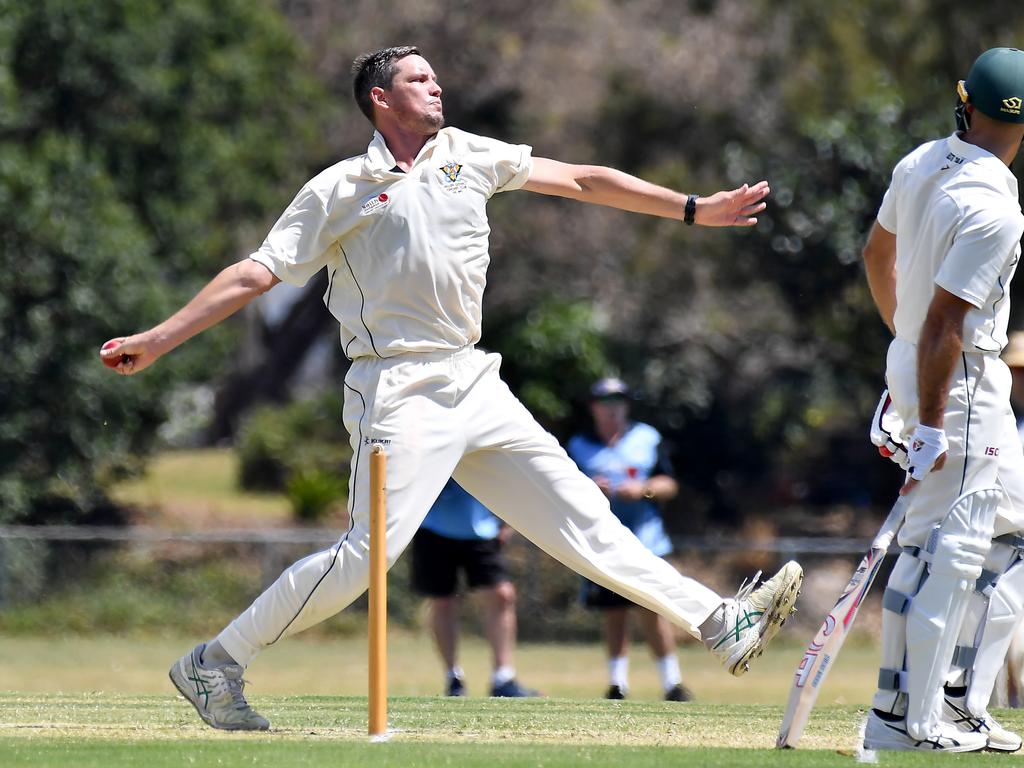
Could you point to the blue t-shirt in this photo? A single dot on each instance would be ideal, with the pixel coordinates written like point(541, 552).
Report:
point(457, 515)
point(635, 456)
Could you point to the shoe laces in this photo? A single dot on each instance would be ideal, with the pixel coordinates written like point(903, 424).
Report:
point(232, 681)
point(746, 588)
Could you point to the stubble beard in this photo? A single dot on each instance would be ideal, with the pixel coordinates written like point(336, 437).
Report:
point(433, 122)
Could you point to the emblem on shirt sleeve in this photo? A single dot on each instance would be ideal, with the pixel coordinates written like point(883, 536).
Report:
point(375, 203)
point(452, 182)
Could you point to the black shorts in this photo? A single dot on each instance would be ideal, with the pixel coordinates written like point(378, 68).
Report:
point(601, 598)
point(437, 560)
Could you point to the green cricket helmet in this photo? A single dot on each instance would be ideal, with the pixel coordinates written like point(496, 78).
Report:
point(994, 87)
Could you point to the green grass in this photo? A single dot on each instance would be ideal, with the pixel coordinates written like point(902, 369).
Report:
point(106, 702)
point(337, 667)
point(200, 486)
point(118, 729)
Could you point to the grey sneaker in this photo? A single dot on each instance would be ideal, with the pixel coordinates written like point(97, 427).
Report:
point(216, 693)
point(755, 616)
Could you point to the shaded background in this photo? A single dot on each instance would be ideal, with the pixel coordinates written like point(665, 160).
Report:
point(145, 145)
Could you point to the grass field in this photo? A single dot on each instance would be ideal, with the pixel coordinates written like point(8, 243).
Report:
point(106, 702)
point(199, 488)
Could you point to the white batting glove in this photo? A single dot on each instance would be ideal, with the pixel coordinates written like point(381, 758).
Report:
point(886, 429)
point(927, 444)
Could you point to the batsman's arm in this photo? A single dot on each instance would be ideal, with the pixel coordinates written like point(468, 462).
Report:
point(606, 186)
point(880, 265)
point(938, 349)
point(227, 293)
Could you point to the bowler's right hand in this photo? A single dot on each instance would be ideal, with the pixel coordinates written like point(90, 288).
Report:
point(136, 352)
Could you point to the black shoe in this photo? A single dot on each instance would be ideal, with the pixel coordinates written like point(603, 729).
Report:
point(678, 692)
point(456, 687)
point(513, 690)
point(615, 692)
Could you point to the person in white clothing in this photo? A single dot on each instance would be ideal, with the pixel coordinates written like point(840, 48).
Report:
point(939, 262)
point(402, 230)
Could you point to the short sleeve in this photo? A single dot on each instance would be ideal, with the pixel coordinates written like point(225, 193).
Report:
point(300, 243)
point(505, 167)
point(512, 166)
point(985, 241)
point(887, 211)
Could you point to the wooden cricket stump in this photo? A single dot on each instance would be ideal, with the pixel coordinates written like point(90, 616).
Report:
point(378, 594)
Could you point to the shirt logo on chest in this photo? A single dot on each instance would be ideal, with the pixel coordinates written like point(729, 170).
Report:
point(452, 182)
point(374, 204)
point(452, 171)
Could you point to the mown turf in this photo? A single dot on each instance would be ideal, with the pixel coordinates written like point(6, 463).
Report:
point(115, 729)
point(337, 667)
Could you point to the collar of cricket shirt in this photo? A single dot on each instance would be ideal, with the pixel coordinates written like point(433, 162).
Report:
point(380, 163)
point(973, 152)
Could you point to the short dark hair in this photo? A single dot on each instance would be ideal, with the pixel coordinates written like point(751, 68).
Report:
point(376, 70)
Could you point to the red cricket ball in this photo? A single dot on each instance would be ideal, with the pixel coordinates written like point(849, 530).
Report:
point(111, 362)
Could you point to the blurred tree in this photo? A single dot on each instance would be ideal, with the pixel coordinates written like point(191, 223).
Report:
point(551, 356)
point(136, 138)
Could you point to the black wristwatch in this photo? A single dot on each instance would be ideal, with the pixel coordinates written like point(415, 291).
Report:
point(691, 209)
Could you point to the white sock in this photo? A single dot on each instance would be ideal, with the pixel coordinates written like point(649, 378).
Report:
point(455, 672)
point(668, 668)
point(618, 671)
point(502, 675)
point(712, 625)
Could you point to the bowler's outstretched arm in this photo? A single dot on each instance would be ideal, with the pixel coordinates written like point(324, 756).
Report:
point(607, 186)
point(228, 292)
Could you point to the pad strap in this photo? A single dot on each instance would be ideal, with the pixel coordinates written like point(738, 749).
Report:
point(986, 582)
point(921, 553)
point(892, 680)
point(895, 601)
point(964, 656)
point(1014, 540)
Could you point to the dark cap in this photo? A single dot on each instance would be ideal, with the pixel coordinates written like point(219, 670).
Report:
point(610, 387)
point(995, 85)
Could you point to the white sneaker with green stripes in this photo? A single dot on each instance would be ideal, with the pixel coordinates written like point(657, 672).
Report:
point(754, 617)
point(216, 693)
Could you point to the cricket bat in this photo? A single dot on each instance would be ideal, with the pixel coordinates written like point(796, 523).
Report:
point(822, 652)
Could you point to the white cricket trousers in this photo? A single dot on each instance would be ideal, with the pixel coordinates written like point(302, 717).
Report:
point(441, 415)
point(984, 447)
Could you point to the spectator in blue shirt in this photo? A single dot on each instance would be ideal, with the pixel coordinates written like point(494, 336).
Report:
point(627, 461)
point(460, 534)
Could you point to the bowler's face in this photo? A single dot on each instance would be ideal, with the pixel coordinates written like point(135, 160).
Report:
point(414, 99)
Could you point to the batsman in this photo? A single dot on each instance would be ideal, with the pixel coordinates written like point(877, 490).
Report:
point(939, 262)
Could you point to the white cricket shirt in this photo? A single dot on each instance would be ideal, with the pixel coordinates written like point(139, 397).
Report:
point(954, 209)
point(406, 253)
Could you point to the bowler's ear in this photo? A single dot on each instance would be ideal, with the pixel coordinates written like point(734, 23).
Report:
point(379, 97)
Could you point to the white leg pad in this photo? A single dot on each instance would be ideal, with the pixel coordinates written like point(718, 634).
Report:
point(904, 580)
point(1005, 610)
point(1000, 558)
point(937, 611)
